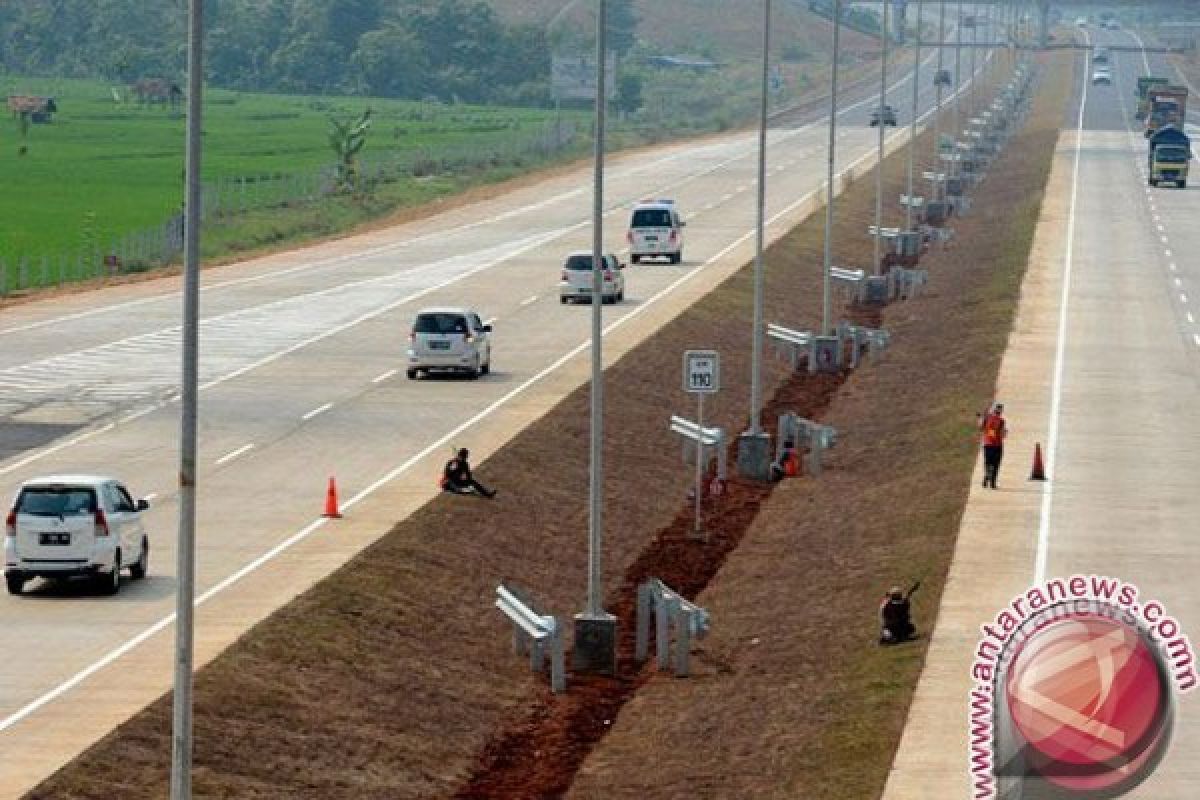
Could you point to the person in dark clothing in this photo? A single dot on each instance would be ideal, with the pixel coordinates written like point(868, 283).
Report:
point(457, 477)
point(895, 616)
point(993, 428)
point(788, 463)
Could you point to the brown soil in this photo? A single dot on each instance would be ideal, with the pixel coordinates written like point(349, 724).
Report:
point(393, 678)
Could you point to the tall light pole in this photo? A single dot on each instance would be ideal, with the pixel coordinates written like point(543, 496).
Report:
point(754, 456)
point(185, 591)
point(883, 72)
point(595, 629)
point(937, 81)
point(912, 123)
point(958, 41)
point(826, 288)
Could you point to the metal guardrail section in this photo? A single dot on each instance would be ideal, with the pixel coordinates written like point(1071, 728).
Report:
point(909, 282)
point(695, 437)
point(668, 610)
point(536, 635)
point(797, 343)
point(807, 435)
point(873, 340)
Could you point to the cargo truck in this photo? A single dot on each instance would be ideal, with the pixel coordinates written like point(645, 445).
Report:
point(1168, 106)
point(1168, 157)
point(1143, 88)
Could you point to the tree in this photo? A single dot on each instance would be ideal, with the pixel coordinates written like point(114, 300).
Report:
point(390, 62)
point(622, 26)
point(347, 138)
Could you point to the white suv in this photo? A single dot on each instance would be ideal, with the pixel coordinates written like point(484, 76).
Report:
point(656, 229)
point(577, 279)
point(451, 340)
point(64, 526)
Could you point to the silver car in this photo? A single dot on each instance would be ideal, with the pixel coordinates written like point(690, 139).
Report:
point(577, 279)
point(449, 340)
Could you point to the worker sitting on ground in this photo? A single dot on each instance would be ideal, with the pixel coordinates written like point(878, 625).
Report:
point(788, 464)
point(895, 616)
point(457, 477)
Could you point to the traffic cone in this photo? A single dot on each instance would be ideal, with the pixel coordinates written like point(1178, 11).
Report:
point(331, 501)
point(1039, 469)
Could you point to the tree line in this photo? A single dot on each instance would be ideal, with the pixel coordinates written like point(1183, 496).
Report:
point(449, 49)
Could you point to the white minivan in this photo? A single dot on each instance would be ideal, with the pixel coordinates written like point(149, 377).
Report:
point(656, 229)
point(449, 340)
point(64, 526)
point(577, 279)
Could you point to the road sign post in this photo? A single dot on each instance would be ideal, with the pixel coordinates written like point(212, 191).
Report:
point(701, 376)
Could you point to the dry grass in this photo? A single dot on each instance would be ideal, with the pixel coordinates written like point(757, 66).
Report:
point(388, 679)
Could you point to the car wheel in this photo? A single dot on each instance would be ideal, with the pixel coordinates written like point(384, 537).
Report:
point(139, 568)
point(1183, 184)
point(473, 371)
point(486, 369)
point(15, 582)
point(562, 299)
point(110, 582)
point(412, 374)
point(621, 296)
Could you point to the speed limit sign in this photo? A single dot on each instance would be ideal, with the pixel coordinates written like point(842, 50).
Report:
point(701, 371)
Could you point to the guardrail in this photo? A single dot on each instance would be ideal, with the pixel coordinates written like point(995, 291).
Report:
point(660, 604)
point(696, 438)
point(807, 435)
point(537, 635)
point(797, 342)
point(873, 340)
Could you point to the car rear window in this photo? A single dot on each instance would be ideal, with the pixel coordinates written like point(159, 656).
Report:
point(651, 218)
point(440, 323)
point(579, 262)
point(56, 501)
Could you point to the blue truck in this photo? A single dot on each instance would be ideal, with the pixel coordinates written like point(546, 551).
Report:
point(1168, 157)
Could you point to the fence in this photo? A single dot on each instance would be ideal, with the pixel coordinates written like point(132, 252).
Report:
point(228, 198)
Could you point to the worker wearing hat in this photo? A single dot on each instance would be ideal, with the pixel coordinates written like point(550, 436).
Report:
point(993, 428)
point(895, 616)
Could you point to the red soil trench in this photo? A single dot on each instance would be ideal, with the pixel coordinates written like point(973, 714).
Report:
point(540, 756)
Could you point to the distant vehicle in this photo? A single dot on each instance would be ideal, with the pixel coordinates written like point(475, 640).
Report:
point(655, 230)
point(1102, 77)
point(577, 278)
point(1100, 56)
point(1167, 106)
point(1168, 157)
point(943, 78)
point(889, 116)
point(1144, 84)
point(1081, 22)
point(65, 526)
point(1111, 25)
point(449, 340)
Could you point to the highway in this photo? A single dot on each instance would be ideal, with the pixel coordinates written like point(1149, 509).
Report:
point(302, 375)
point(1102, 369)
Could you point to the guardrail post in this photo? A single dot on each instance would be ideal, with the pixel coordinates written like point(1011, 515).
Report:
point(670, 610)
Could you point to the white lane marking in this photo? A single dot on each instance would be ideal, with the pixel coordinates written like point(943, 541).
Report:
point(493, 319)
point(150, 496)
point(1043, 540)
point(1167, 252)
point(1191, 319)
point(139, 414)
point(316, 411)
point(81, 438)
point(1178, 283)
point(225, 459)
point(1183, 298)
point(529, 300)
point(1164, 240)
point(1196, 339)
point(318, 523)
point(1161, 229)
point(1173, 266)
point(384, 376)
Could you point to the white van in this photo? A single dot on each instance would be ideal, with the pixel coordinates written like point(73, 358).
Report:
point(450, 340)
point(64, 526)
point(656, 230)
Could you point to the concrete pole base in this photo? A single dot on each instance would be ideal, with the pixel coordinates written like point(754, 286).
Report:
point(754, 456)
point(595, 648)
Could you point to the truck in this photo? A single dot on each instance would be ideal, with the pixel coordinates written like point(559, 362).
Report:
point(1143, 88)
point(1168, 157)
point(1168, 106)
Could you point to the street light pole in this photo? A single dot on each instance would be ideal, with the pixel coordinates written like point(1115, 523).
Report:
point(760, 240)
point(912, 123)
point(941, 66)
point(181, 720)
point(595, 629)
point(826, 288)
point(883, 72)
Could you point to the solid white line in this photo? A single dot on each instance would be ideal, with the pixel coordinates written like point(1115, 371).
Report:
point(139, 414)
point(1183, 298)
point(225, 459)
point(317, 410)
point(1043, 540)
point(1196, 338)
point(1190, 318)
point(384, 376)
point(493, 319)
point(529, 300)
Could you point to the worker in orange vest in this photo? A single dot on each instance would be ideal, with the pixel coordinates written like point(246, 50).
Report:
point(993, 428)
point(788, 465)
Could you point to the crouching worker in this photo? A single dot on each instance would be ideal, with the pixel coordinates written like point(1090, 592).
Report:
point(895, 616)
point(788, 464)
point(457, 477)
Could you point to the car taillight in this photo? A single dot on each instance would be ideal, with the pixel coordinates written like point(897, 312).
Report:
point(673, 235)
point(608, 276)
point(468, 338)
point(564, 275)
point(10, 524)
point(101, 523)
point(629, 236)
point(412, 337)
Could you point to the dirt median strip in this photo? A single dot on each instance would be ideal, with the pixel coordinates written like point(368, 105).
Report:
point(391, 677)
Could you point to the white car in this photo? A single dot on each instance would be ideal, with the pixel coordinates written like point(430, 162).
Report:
point(65, 526)
point(1081, 22)
point(655, 230)
point(577, 279)
point(449, 340)
point(1102, 76)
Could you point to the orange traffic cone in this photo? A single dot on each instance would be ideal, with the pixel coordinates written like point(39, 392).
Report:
point(331, 501)
point(1039, 470)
